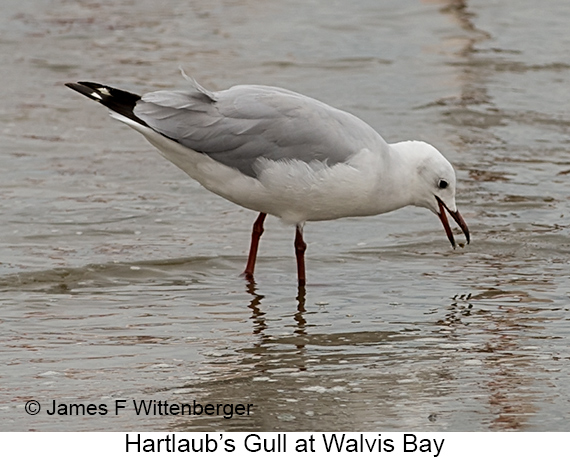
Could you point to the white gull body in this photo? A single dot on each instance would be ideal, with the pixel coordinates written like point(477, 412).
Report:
point(281, 153)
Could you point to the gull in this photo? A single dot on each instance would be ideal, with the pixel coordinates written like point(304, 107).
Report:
point(281, 153)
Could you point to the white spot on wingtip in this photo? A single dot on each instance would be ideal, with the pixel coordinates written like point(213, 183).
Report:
point(104, 91)
point(96, 95)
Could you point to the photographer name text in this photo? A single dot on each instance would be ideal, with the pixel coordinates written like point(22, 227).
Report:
point(142, 408)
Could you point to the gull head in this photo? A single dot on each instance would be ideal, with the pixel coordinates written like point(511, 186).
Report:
point(434, 184)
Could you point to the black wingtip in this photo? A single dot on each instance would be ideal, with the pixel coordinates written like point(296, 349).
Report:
point(84, 89)
point(117, 100)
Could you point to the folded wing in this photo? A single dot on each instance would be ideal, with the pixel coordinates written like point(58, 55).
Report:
point(240, 125)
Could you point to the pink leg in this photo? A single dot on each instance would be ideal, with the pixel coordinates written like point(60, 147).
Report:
point(255, 236)
point(300, 248)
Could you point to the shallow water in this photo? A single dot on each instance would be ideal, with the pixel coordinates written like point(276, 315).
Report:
point(119, 276)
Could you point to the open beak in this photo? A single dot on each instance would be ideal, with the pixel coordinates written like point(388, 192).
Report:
point(456, 217)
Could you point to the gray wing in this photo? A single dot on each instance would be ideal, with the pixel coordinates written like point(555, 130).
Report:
point(240, 125)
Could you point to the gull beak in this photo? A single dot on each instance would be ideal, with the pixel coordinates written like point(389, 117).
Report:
point(456, 217)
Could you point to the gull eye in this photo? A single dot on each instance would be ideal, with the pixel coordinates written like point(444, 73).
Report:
point(442, 184)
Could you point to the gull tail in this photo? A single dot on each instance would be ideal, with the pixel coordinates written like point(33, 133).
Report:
point(118, 101)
